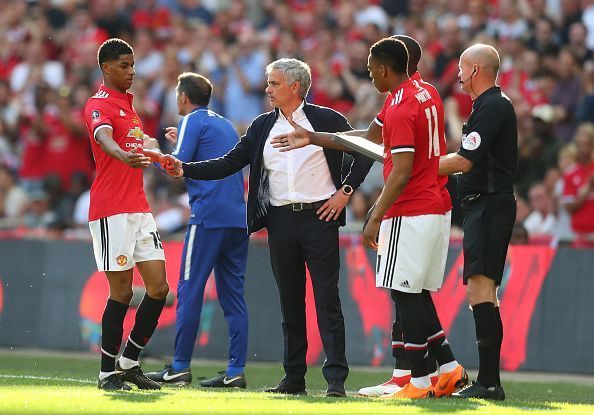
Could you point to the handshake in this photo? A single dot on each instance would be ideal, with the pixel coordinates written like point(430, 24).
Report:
point(170, 164)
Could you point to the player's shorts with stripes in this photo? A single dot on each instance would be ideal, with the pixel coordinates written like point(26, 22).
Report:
point(412, 252)
point(120, 241)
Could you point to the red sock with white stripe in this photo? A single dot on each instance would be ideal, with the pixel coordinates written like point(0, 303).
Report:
point(112, 329)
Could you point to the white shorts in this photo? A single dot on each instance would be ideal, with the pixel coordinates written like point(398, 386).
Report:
point(412, 252)
point(120, 241)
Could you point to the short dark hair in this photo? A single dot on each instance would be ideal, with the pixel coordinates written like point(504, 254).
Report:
point(196, 87)
point(391, 52)
point(414, 52)
point(112, 49)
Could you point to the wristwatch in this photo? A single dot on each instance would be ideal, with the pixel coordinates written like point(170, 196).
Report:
point(347, 189)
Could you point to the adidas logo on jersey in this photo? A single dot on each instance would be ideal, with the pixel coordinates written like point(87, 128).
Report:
point(405, 284)
point(122, 113)
point(101, 94)
point(397, 97)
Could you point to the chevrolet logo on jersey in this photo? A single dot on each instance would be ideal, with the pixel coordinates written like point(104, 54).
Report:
point(136, 132)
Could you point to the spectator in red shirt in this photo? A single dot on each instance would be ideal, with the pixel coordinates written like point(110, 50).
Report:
point(81, 32)
point(152, 16)
point(578, 190)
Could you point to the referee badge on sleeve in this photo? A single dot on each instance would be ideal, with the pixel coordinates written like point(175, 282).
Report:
point(471, 141)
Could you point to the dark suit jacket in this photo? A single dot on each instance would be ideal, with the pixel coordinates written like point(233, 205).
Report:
point(249, 150)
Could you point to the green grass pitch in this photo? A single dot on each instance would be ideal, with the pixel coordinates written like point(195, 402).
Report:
point(60, 384)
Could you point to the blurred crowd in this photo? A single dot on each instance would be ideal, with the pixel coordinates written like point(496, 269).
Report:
point(48, 70)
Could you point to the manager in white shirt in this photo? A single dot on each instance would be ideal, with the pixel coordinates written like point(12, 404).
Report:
point(299, 196)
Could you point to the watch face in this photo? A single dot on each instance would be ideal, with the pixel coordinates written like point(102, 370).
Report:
point(347, 190)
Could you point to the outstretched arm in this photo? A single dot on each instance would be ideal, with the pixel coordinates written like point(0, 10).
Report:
point(301, 137)
point(173, 166)
point(214, 169)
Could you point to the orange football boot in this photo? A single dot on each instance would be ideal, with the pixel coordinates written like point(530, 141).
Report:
point(451, 382)
point(410, 391)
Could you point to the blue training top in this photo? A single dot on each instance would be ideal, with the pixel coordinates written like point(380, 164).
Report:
point(204, 135)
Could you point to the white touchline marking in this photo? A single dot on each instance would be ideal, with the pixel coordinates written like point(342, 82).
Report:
point(46, 378)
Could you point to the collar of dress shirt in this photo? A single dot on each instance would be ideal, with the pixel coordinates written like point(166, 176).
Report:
point(298, 114)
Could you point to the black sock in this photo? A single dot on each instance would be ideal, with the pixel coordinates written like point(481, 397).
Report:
point(485, 321)
point(398, 345)
point(431, 363)
point(439, 348)
point(499, 343)
point(147, 318)
point(112, 329)
point(413, 317)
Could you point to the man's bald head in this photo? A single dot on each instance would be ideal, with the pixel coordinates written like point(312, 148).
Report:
point(485, 56)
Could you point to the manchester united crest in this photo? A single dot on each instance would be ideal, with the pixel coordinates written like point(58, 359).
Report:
point(122, 260)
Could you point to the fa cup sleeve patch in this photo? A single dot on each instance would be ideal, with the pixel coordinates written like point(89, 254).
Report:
point(471, 141)
point(95, 116)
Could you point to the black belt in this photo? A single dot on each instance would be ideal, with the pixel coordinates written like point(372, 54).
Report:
point(470, 198)
point(473, 197)
point(298, 207)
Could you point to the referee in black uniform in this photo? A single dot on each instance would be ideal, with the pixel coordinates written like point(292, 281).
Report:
point(487, 160)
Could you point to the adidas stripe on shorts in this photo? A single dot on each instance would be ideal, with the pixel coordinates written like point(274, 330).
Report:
point(122, 240)
point(412, 252)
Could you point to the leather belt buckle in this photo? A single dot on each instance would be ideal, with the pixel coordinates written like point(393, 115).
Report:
point(473, 197)
point(297, 207)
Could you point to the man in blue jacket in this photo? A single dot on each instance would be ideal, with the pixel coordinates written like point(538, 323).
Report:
point(300, 198)
point(216, 237)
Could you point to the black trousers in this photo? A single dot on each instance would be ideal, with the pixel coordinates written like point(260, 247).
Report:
point(296, 239)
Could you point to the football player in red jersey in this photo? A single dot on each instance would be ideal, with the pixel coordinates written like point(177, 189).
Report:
point(122, 227)
point(450, 374)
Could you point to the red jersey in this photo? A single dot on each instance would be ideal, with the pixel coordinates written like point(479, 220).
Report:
point(117, 188)
point(379, 118)
point(442, 181)
point(582, 220)
point(410, 124)
point(33, 162)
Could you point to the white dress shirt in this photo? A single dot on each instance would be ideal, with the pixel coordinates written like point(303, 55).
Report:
point(300, 175)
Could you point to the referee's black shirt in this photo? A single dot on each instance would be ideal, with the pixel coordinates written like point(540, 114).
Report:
point(490, 141)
